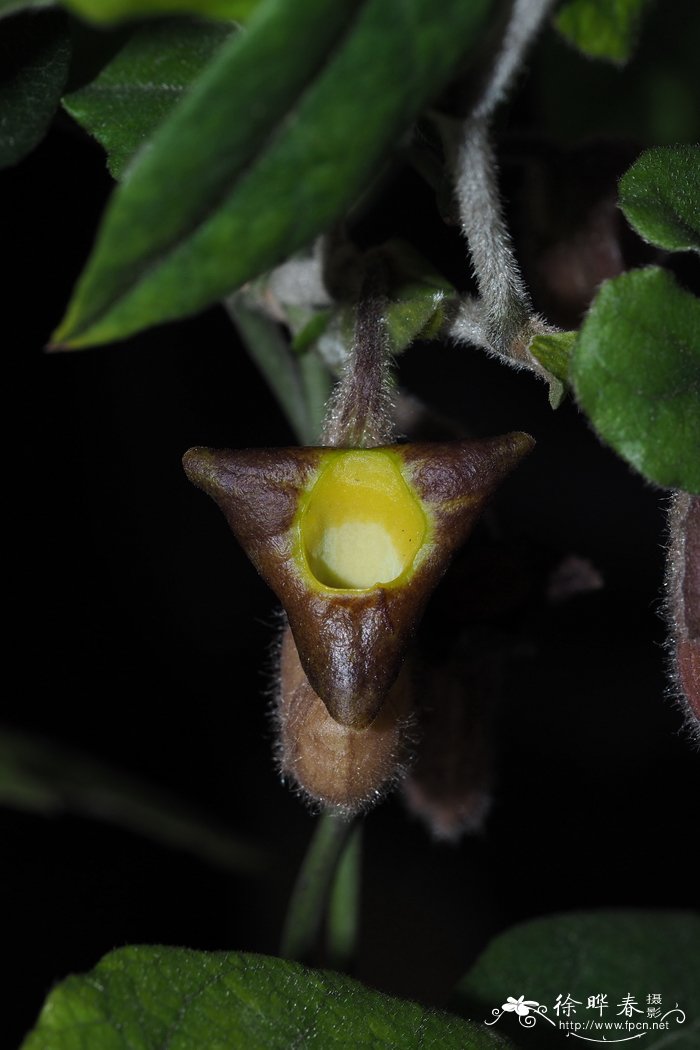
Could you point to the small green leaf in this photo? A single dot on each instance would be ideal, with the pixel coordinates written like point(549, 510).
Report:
point(133, 94)
point(418, 294)
point(660, 196)
point(602, 28)
point(274, 141)
point(34, 60)
point(150, 998)
point(418, 298)
point(635, 369)
point(553, 351)
point(416, 313)
point(584, 954)
point(110, 11)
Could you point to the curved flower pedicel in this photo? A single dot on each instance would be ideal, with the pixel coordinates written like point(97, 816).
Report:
point(352, 536)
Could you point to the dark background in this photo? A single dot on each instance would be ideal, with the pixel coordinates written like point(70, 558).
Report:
point(138, 632)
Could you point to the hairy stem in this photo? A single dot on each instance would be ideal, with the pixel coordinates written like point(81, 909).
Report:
point(506, 303)
point(359, 414)
point(501, 319)
point(526, 19)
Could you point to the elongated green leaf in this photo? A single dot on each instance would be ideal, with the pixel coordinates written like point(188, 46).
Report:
point(110, 11)
point(602, 28)
point(34, 58)
point(43, 777)
point(134, 93)
point(635, 369)
point(609, 954)
point(150, 998)
point(277, 137)
point(660, 196)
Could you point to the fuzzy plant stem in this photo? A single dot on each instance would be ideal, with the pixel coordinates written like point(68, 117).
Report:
point(501, 319)
point(360, 411)
point(506, 305)
point(311, 894)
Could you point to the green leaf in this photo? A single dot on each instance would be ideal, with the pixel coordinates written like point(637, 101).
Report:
point(133, 94)
point(149, 998)
point(636, 372)
point(41, 776)
point(275, 140)
point(584, 954)
point(660, 196)
point(553, 351)
point(418, 296)
point(602, 28)
point(419, 299)
point(34, 60)
point(110, 11)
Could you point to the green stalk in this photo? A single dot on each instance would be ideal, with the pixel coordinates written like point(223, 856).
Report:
point(301, 385)
point(312, 891)
point(344, 907)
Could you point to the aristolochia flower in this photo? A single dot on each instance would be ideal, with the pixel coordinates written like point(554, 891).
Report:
point(352, 536)
point(353, 543)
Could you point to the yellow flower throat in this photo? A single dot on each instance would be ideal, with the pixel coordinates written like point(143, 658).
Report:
point(361, 524)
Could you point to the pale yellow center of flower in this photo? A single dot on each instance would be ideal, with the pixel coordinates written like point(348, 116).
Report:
point(362, 525)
